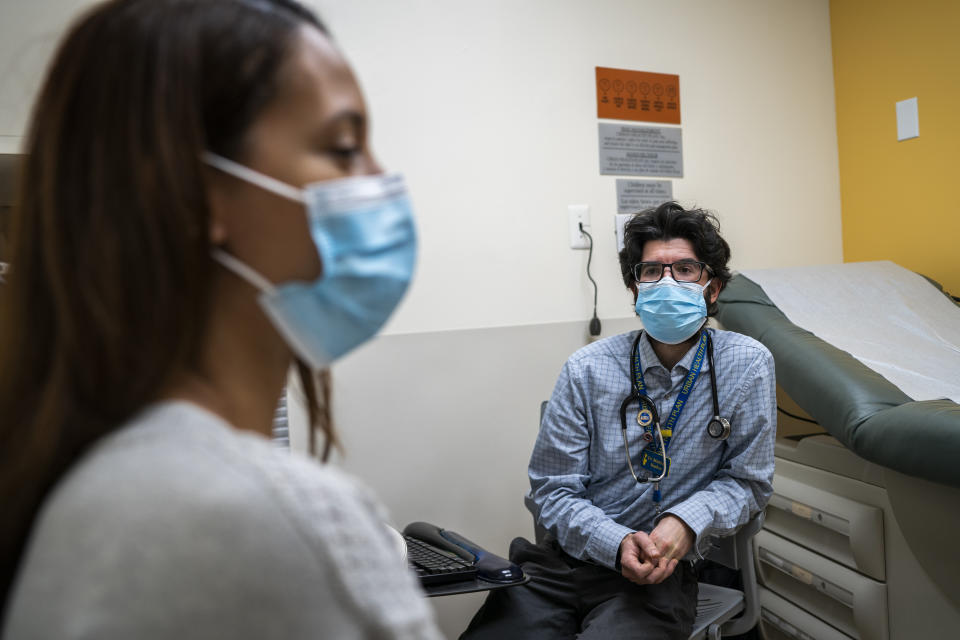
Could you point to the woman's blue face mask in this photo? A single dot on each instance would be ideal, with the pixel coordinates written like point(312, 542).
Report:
point(364, 234)
point(671, 311)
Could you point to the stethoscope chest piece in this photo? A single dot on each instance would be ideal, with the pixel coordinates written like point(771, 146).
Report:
point(719, 428)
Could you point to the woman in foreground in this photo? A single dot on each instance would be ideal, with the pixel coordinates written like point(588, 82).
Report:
point(199, 210)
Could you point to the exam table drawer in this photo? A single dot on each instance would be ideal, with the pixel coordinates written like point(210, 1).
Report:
point(845, 530)
point(845, 599)
point(780, 620)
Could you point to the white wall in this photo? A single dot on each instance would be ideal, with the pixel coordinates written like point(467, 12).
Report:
point(29, 30)
point(490, 109)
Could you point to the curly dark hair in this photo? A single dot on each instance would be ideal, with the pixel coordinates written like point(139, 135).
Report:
point(669, 221)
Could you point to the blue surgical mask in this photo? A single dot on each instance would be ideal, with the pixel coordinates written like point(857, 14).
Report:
point(364, 234)
point(671, 311)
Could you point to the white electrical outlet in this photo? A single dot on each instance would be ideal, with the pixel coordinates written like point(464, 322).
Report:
point(579, 214)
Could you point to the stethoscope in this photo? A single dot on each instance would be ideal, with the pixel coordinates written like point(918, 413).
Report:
point(718, 427)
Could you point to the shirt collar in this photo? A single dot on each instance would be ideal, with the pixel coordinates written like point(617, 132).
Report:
point(649, 359)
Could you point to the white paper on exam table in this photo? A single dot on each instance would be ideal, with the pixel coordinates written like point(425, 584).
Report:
point(890, 319)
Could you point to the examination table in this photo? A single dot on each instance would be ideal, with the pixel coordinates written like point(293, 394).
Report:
point(862, 535)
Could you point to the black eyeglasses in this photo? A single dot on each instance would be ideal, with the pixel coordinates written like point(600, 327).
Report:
point(683, 271)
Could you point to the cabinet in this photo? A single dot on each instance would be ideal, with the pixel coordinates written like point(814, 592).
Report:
point(833, 559)
point(843, 598)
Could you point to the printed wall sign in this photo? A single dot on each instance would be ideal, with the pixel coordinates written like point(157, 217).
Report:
point(627, 150)
point(638, 95)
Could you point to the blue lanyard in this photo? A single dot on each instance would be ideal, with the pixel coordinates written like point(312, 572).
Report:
point(681, 402)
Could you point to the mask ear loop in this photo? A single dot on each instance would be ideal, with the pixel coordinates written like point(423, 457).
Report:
point(243, 271)
point(247, 174)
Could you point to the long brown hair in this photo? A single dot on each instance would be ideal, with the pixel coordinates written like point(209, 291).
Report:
point(110, 271)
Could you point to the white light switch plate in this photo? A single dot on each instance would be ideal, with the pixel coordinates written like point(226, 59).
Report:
point(908, 121)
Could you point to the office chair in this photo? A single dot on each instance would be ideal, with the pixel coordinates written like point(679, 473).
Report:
point(717, 607)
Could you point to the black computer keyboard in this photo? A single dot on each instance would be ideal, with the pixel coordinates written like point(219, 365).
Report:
point(434, 566)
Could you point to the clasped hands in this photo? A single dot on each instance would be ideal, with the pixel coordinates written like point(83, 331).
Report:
point(651, 558)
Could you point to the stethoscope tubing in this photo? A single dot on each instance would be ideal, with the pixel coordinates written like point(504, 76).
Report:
point(647, 403)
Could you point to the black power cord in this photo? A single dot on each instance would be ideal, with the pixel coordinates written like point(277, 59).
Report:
point(595, 321)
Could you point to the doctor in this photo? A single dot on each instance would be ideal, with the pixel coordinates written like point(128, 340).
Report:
point(634, 471)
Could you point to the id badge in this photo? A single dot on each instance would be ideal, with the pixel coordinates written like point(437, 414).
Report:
point(653, 462)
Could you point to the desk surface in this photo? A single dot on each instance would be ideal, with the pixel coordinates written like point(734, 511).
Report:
point(469, 586)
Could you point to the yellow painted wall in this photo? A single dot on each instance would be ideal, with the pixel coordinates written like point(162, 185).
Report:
point(900, 200)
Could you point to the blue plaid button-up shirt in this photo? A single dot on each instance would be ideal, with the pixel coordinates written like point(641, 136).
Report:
point(581, 487)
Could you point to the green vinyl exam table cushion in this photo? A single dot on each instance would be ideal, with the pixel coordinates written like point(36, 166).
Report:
point(856, 405)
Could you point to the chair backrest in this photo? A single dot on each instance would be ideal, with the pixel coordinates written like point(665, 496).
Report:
point(539, 533)
point(736, 552)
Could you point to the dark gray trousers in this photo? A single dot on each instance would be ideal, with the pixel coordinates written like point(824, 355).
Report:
point(569, 598)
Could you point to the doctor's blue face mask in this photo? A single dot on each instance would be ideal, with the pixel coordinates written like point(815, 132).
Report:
point(671, 311)
point(363, 231)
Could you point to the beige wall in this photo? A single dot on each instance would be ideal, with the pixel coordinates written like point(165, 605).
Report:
point(489, 108)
